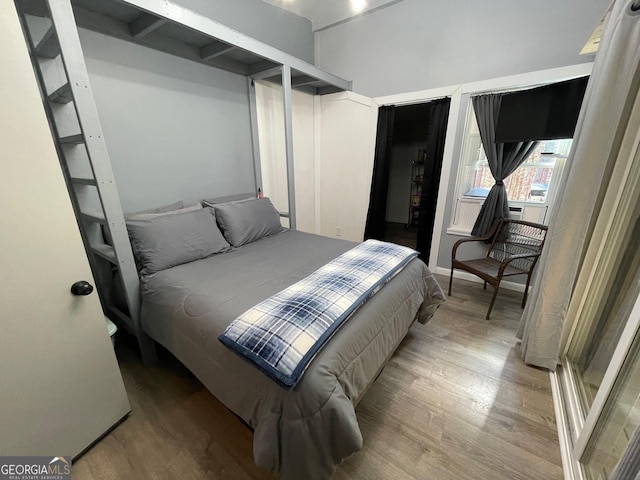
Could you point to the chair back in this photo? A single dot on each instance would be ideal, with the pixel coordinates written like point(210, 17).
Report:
point(517, 237)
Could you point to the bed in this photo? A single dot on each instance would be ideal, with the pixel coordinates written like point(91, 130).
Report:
point(305, 432)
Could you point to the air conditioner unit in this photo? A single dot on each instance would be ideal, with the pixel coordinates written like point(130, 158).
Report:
point(515, 213)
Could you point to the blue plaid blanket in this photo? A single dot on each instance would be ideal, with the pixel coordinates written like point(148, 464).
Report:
point(282, 334)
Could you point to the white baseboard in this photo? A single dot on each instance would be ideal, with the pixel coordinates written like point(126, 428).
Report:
point(517, 287)
point(571, 470)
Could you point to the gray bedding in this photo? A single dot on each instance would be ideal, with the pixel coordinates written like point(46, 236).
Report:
point(306, 432)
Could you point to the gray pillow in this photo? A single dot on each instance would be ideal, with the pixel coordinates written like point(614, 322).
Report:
point(164, 242)
point(210, 202)
point(165, 208)
point(139, 216)
point(247, 221)
point(106, 234)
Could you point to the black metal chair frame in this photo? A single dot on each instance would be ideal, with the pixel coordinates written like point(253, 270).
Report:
point(500, 263)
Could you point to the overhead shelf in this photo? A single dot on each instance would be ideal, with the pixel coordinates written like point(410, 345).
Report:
point(170, 28)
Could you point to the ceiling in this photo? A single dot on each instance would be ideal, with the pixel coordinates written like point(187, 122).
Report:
point(324, 13)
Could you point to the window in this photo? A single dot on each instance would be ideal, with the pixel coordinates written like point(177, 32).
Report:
point(530, 189)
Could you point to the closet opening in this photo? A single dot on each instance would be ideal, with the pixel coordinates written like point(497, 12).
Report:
point(406, 173)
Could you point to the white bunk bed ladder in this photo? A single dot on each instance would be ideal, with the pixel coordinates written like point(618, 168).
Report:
point(59, 64)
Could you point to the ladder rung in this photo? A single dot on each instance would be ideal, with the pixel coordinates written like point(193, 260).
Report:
point(105, 251)
point(72, 139)
point(62, 94)
point(84, 181)
point(95, 217)
point(48, 47)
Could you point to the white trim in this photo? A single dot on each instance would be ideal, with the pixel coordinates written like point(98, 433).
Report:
point(418, 97)
point(461, 232)
point(454, 93)
point(445, 171)
point(462, 275)
point(572, 400)
point(317, 161)
point(348, 95)
point(570, 467)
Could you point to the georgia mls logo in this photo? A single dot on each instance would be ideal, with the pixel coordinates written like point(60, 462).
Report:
point(35, 468)
point(60, 466)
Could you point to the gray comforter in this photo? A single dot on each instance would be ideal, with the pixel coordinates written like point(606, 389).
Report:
point(306, 432)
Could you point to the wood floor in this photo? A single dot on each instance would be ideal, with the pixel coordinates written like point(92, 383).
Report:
point(401, 234)
point(454, 402)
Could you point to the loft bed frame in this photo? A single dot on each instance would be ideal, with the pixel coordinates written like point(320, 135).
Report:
point(173, 29)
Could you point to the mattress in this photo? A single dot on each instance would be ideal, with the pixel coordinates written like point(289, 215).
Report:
point(307, 431)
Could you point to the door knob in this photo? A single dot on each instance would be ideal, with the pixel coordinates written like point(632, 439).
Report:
point(81, 288)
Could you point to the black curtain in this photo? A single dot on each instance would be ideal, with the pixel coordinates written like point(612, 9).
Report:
point(380, 182)
point(438, 115)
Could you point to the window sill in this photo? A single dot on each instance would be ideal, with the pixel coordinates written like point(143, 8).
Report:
point(459, 231)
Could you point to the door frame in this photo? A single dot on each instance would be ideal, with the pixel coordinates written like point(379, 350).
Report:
point(424, 96)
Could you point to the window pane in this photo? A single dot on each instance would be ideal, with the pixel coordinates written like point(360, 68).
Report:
point(529, 183)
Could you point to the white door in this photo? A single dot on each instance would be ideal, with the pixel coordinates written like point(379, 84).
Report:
point(347, 145)
point(60, 386)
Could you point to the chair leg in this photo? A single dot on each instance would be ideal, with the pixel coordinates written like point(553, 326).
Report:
point(493, 299)
point(450, 281)
point(485, 285)
point(526, 291)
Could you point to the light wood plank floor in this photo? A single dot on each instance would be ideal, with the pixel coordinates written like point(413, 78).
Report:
point(454, 402)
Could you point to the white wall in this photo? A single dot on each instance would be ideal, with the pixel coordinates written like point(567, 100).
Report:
point(415, 45)
point(273, 161)
point(304, 126)
point(270, 110)
point(333, 138)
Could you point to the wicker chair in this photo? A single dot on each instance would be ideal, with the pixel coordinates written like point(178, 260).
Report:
point(515, 248)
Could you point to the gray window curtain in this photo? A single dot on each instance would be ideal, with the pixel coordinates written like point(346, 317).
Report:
point(503, 158)
point(608, 103)
point(628, 467)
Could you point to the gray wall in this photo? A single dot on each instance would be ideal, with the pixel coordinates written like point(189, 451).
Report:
point(414, 45)
point(262, 21)
point(175, 129)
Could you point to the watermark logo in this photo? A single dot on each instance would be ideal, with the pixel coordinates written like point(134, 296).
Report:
point(35, 468)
